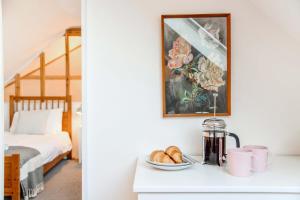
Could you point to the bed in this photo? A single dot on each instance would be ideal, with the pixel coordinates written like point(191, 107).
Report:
point(52, 148)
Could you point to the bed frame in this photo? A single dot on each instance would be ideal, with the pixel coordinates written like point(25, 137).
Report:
point(12, 162)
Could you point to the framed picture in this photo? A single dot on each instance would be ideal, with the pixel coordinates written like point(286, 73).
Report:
point(196, 65)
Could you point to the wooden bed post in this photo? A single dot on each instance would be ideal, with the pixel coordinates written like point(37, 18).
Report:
point(68, 97)
point(12, 176)
point(11, 109)
point(42, 74)
point(69, 100)
point(17, 85)
point(67, 48)
point(69, 32)
point(16, 177)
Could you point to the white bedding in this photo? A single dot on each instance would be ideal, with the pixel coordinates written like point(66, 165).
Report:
point(50, 145)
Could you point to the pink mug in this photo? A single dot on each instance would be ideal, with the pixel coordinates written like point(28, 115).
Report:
point(259, 158)
point(239, 162)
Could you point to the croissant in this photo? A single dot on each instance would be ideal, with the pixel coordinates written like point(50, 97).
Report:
point(175, 153)
point(161, 157)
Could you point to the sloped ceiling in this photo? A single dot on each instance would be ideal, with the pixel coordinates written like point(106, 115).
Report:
point(30, 26)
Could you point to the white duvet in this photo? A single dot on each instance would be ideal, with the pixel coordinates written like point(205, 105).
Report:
point(50, 146)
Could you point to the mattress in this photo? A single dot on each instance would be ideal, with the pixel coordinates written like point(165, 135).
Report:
point(50, 146)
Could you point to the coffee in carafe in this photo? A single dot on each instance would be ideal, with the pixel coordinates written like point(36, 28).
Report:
point(214, 146)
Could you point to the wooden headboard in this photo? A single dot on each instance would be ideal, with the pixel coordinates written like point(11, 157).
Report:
point(21, 103)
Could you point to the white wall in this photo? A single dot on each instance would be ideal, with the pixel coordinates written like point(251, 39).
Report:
point(123, 87)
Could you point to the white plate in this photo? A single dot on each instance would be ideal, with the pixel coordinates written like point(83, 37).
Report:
point(170, 167)
point(185, 162)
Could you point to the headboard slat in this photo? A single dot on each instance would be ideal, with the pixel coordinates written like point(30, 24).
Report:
point(22, 105)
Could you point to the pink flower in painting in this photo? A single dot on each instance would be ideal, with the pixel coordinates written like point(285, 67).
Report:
point(180, 53)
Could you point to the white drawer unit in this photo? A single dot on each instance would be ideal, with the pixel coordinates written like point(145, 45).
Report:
point(280, 182)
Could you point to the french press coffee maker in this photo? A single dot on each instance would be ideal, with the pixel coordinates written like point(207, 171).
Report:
point(214, 139)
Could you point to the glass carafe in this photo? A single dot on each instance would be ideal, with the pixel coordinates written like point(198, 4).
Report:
point(214, 141)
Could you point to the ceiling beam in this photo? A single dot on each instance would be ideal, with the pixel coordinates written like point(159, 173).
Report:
point(52, 77)
point(73, 32)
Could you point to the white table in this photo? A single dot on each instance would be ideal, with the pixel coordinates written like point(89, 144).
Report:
point(280, 182)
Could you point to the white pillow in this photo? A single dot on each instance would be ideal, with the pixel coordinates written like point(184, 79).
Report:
point(32, 122)
point(14, 122)
point(54, 123)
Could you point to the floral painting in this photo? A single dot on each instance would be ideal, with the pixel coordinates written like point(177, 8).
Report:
point(196, 64)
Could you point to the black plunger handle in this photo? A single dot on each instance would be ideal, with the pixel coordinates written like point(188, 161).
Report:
point(237, 140)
